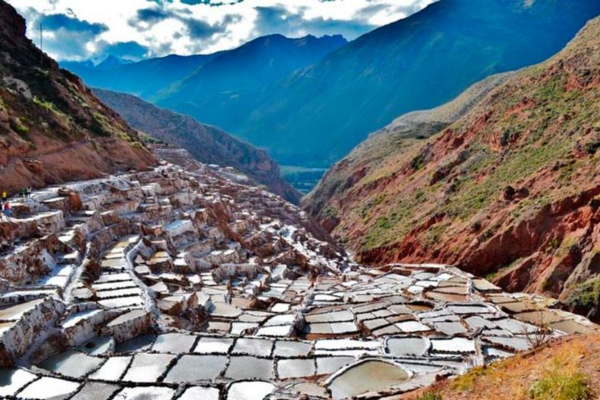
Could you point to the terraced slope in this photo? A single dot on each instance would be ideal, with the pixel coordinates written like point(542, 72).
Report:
point(509, 190)
point(189, 283)
point(52, 128)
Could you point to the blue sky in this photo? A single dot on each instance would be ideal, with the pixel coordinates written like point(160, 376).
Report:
point(135, 29)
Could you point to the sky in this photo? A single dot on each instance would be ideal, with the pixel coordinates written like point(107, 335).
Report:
point(79, 30)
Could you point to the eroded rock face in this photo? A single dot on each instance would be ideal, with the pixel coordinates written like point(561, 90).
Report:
point(189, 276)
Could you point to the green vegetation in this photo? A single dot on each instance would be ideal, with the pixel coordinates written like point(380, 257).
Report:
point(329, 211)
point(586, 296)
point(19, 127)
point(430, 396)
point(491, 276)
point(152, 140)
point(301, 178)
point(46, 105)
point(434, 234)
point(559, 383)
point(468, 381)
point(418, 162)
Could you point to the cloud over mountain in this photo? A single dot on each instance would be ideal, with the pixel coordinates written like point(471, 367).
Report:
point(135, 29)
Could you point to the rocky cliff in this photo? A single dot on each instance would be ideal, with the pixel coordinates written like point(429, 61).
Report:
point(52, 128)
point(508, 191)
point(206, 143)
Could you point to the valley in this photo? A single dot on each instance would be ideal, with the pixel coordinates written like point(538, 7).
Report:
point(183, 281)
point(408, 214)
point(303, 179)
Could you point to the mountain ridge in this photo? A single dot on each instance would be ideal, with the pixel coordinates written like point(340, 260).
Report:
point(471, 40)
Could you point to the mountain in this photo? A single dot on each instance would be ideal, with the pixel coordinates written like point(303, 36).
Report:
point(144, 78)
point(206, 143)
point(224, 89)
point(509, 191)
point(52, 128)
point(112, 62)
point(207, 80)
point(317, 115)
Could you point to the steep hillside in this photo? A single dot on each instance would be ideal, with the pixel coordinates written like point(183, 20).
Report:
point(52, 128)
point(224, 90)
point(144, 78)
point(566, 369)
point(508, 191)
point(384, 145)
point(317, 115)
point(206, 143)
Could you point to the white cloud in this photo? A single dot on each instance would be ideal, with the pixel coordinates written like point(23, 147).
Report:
point(163, 27)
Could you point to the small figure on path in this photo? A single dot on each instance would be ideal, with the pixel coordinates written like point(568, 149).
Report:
point(7, 211)
point(4, 196)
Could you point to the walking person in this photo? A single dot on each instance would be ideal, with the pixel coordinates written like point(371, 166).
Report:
point(7, 211)
point(4, 196)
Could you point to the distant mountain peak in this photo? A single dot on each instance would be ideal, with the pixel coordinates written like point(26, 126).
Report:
point(112, 61)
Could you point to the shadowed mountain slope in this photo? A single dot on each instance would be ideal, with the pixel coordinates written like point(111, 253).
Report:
point(206, 143)
point(317, 115)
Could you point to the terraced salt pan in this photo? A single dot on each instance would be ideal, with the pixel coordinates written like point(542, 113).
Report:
point(200, 393)
point(208, 345)
point(408, 346)
point(515, 343)
point(175, 343)
point(571, 327)
point(96, 391)
point(123, 302)
point(329, 365)
point(12, 380)
point(148, 367)
point(145, 393)
point(454, 345)
point(49, 388)
point(412, 327)
point(71, 363)
point(196, 368)
point(365, 377)
point(399, 327)
point(249, 368)
point(112, 370)
point(250, 390)
point(255, 347)
point(296, 368)
point(12, 313)
point(291, 349)
point(139, 343)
